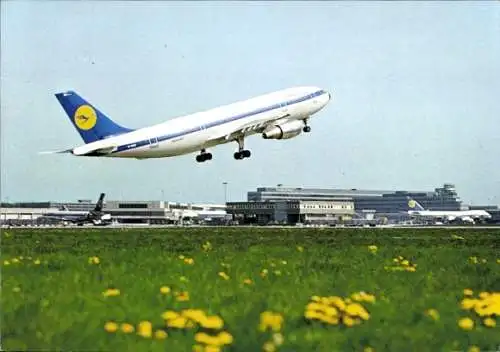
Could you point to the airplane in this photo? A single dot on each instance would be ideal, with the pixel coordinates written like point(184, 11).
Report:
point(95, 216)
point(466, 216)
point(278, 115)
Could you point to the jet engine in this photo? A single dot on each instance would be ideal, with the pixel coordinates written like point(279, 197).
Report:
point(284, 131)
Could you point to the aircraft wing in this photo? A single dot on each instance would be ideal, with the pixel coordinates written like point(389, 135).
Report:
point(257, 126)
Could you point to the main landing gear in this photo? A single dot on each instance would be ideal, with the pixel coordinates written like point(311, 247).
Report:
point(241, 153)
point(203, 156)
point(306, 128)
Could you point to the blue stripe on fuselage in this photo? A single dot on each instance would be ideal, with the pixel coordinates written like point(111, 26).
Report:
point(144, 142)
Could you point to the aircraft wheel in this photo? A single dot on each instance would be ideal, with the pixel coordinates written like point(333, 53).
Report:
point(238, 156)
point(246, 153)
point(306, 129)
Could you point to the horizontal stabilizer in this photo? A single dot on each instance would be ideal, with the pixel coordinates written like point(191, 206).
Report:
point(65, 151)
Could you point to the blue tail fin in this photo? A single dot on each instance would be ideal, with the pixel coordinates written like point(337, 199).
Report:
point(414, 205)
point(92, 124)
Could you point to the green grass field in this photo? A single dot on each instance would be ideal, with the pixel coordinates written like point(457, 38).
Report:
point(56, 295)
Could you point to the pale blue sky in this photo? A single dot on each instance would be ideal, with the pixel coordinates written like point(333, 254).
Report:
point(416, 94)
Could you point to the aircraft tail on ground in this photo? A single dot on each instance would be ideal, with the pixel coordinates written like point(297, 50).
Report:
point(99, 204)
point(413, 204)
point(92, 124)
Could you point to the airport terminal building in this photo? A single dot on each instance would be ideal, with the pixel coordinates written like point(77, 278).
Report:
point(343, 205)
point(264, 206)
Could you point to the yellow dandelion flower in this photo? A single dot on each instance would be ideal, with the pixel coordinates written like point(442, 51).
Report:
point(368, 349)
point(247, 281)
point(212, 348)
point(411, 269)
point(357, 310)
point(165, 290)
point(312, 314)
point(348, 321)
point(170, 314)
point(145, 329)
point(179, 323)
point(269, 347)
point(498, 261)
point(212, 322)
point(489, 322)
point(473, 260)
point(372, 248)
point(270, 320)
point(160, 335)
point(182, 296)
point(328, 319)
point(264, 272)
point(466, 323)
point(111, 326)
point(196, 315)
point(278, 339)
point(203, 337)
point(314, 306)
point(469, 303)
point(405, 262)
point(396, 260)
point(468, 292)
point(181, 257)
point(473, 349)
point(300, 248)
point(6, 262)
point(284, 262)
point(189, 261)
point(15, 260)
point(111, 292)
point(367, 297)
point(127, 328)
point(432, 313)
point(198, 348)
point(94, 260)
point(225, 338)
point(206, 246)
point(223, 275)
point(330, 311)
point(483, 295)
point(338, 302)
point(36, 262)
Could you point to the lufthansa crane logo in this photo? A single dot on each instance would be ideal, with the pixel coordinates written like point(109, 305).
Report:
point(85, 117)
point(412, 203)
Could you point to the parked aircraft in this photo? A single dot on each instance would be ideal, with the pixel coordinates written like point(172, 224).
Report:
point(470, 216)
point(95, 216)
point(279, 115)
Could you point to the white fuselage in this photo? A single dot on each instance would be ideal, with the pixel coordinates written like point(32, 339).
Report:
point(451, 215)
point(205, 129)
